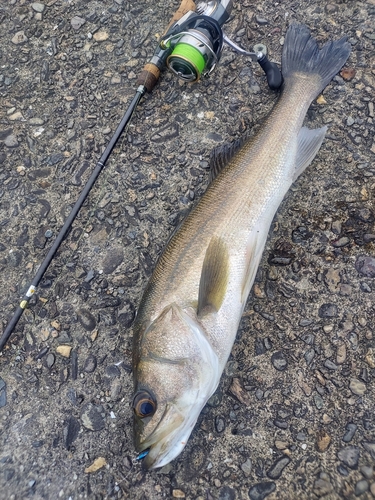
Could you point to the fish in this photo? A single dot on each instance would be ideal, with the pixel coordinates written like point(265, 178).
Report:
point(191, 308)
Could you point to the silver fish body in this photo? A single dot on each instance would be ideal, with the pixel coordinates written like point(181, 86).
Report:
point(189, 314)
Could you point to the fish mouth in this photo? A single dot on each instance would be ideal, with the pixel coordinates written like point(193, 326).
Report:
point(168, 438)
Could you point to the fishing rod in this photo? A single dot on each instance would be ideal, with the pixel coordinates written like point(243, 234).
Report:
point(191, 48)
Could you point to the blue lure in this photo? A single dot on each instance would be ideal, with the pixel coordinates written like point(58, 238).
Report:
point(142, 455)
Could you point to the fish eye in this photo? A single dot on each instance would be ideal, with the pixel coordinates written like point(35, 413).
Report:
point(144, 404)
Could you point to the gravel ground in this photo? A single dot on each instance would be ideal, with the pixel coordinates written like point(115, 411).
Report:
point(294, 414)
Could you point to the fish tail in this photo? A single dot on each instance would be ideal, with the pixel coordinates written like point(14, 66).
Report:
point(302, 57)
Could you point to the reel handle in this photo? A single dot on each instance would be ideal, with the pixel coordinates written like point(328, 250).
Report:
point(273, 74)
point(151, 72)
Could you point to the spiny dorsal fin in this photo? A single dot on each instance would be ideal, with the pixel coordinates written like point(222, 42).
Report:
point(221, 155)
point(309, 142)
point(214, 278)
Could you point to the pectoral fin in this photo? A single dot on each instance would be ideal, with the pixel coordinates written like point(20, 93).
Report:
point(214, 278)
point(309, 142)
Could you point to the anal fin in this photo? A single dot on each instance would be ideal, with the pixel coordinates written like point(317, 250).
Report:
point(309, 142)
point(214, 277)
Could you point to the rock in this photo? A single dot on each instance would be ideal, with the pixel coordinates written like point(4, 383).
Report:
point(115, 390)
point(239, 392)
point(357, 387)
point(328, 311)
point(350, 431)
point(277, 467)
point(348, 74)
point(219, 424)
point(113, 371)
point(370, 447)
point(90, 364)
point(3, 394)
point(113, 260)
point(370, 357)
point(366, 266)
point(246, 467)
point(341, 242)
point(341, 353)
point(100, 36)
point(261, 490)
point(38, 7)
point(86, 319)
point(97, 464)
point(330, 365)
point(323, 486)
point(19, 38)
point(77, 22)
point(227, 493)
point(361, 487)
point(11, 141)
point(71, 431)
point(349, 456)
point(279, 361)
point(323, 440)
point(367, 471)
point(15, 116)
point(331, 8)
point(50, 360)
point(64, 350)
point(332, 279)
point(93, 417)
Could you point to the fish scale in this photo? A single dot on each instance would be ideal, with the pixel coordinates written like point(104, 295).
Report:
point(190, 312)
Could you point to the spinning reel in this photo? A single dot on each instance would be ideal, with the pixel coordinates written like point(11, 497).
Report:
point(192, 46)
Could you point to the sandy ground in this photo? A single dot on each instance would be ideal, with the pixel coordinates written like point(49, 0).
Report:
point(294, 413)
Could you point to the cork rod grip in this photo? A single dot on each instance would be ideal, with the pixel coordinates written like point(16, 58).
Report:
point(150, 73)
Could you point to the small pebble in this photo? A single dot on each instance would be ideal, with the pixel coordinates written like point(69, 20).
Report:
point(323, 440)
point(361, 487)
point(19, 38)
point(246, 467)
point(90, 364)
point(93, 417)
point(350, 431)
point(38, 7)
point(367, 471)
point(328, 311)
point(99, 463)
point(77, 22)
point(219, 424)
point(357, 387)
point(3, 394)
point(277, 467)
point(349, 456)
point(178, 494)
point(279, 361)
point(11, 141)
point(365, 265)
point(261, 490)
point(101, 36)
point(322, 486)
point(64, 350)
point(50, 360)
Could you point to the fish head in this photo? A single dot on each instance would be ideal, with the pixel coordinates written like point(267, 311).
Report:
point(175, 373)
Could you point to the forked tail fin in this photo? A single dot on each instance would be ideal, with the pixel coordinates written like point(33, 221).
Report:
point(301, 55)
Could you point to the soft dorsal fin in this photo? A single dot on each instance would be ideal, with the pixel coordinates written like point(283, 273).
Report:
point(221, 155)
point(214, 277)
point(309, 142)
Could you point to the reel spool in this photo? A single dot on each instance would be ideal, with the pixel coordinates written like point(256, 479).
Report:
point(196, 41)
